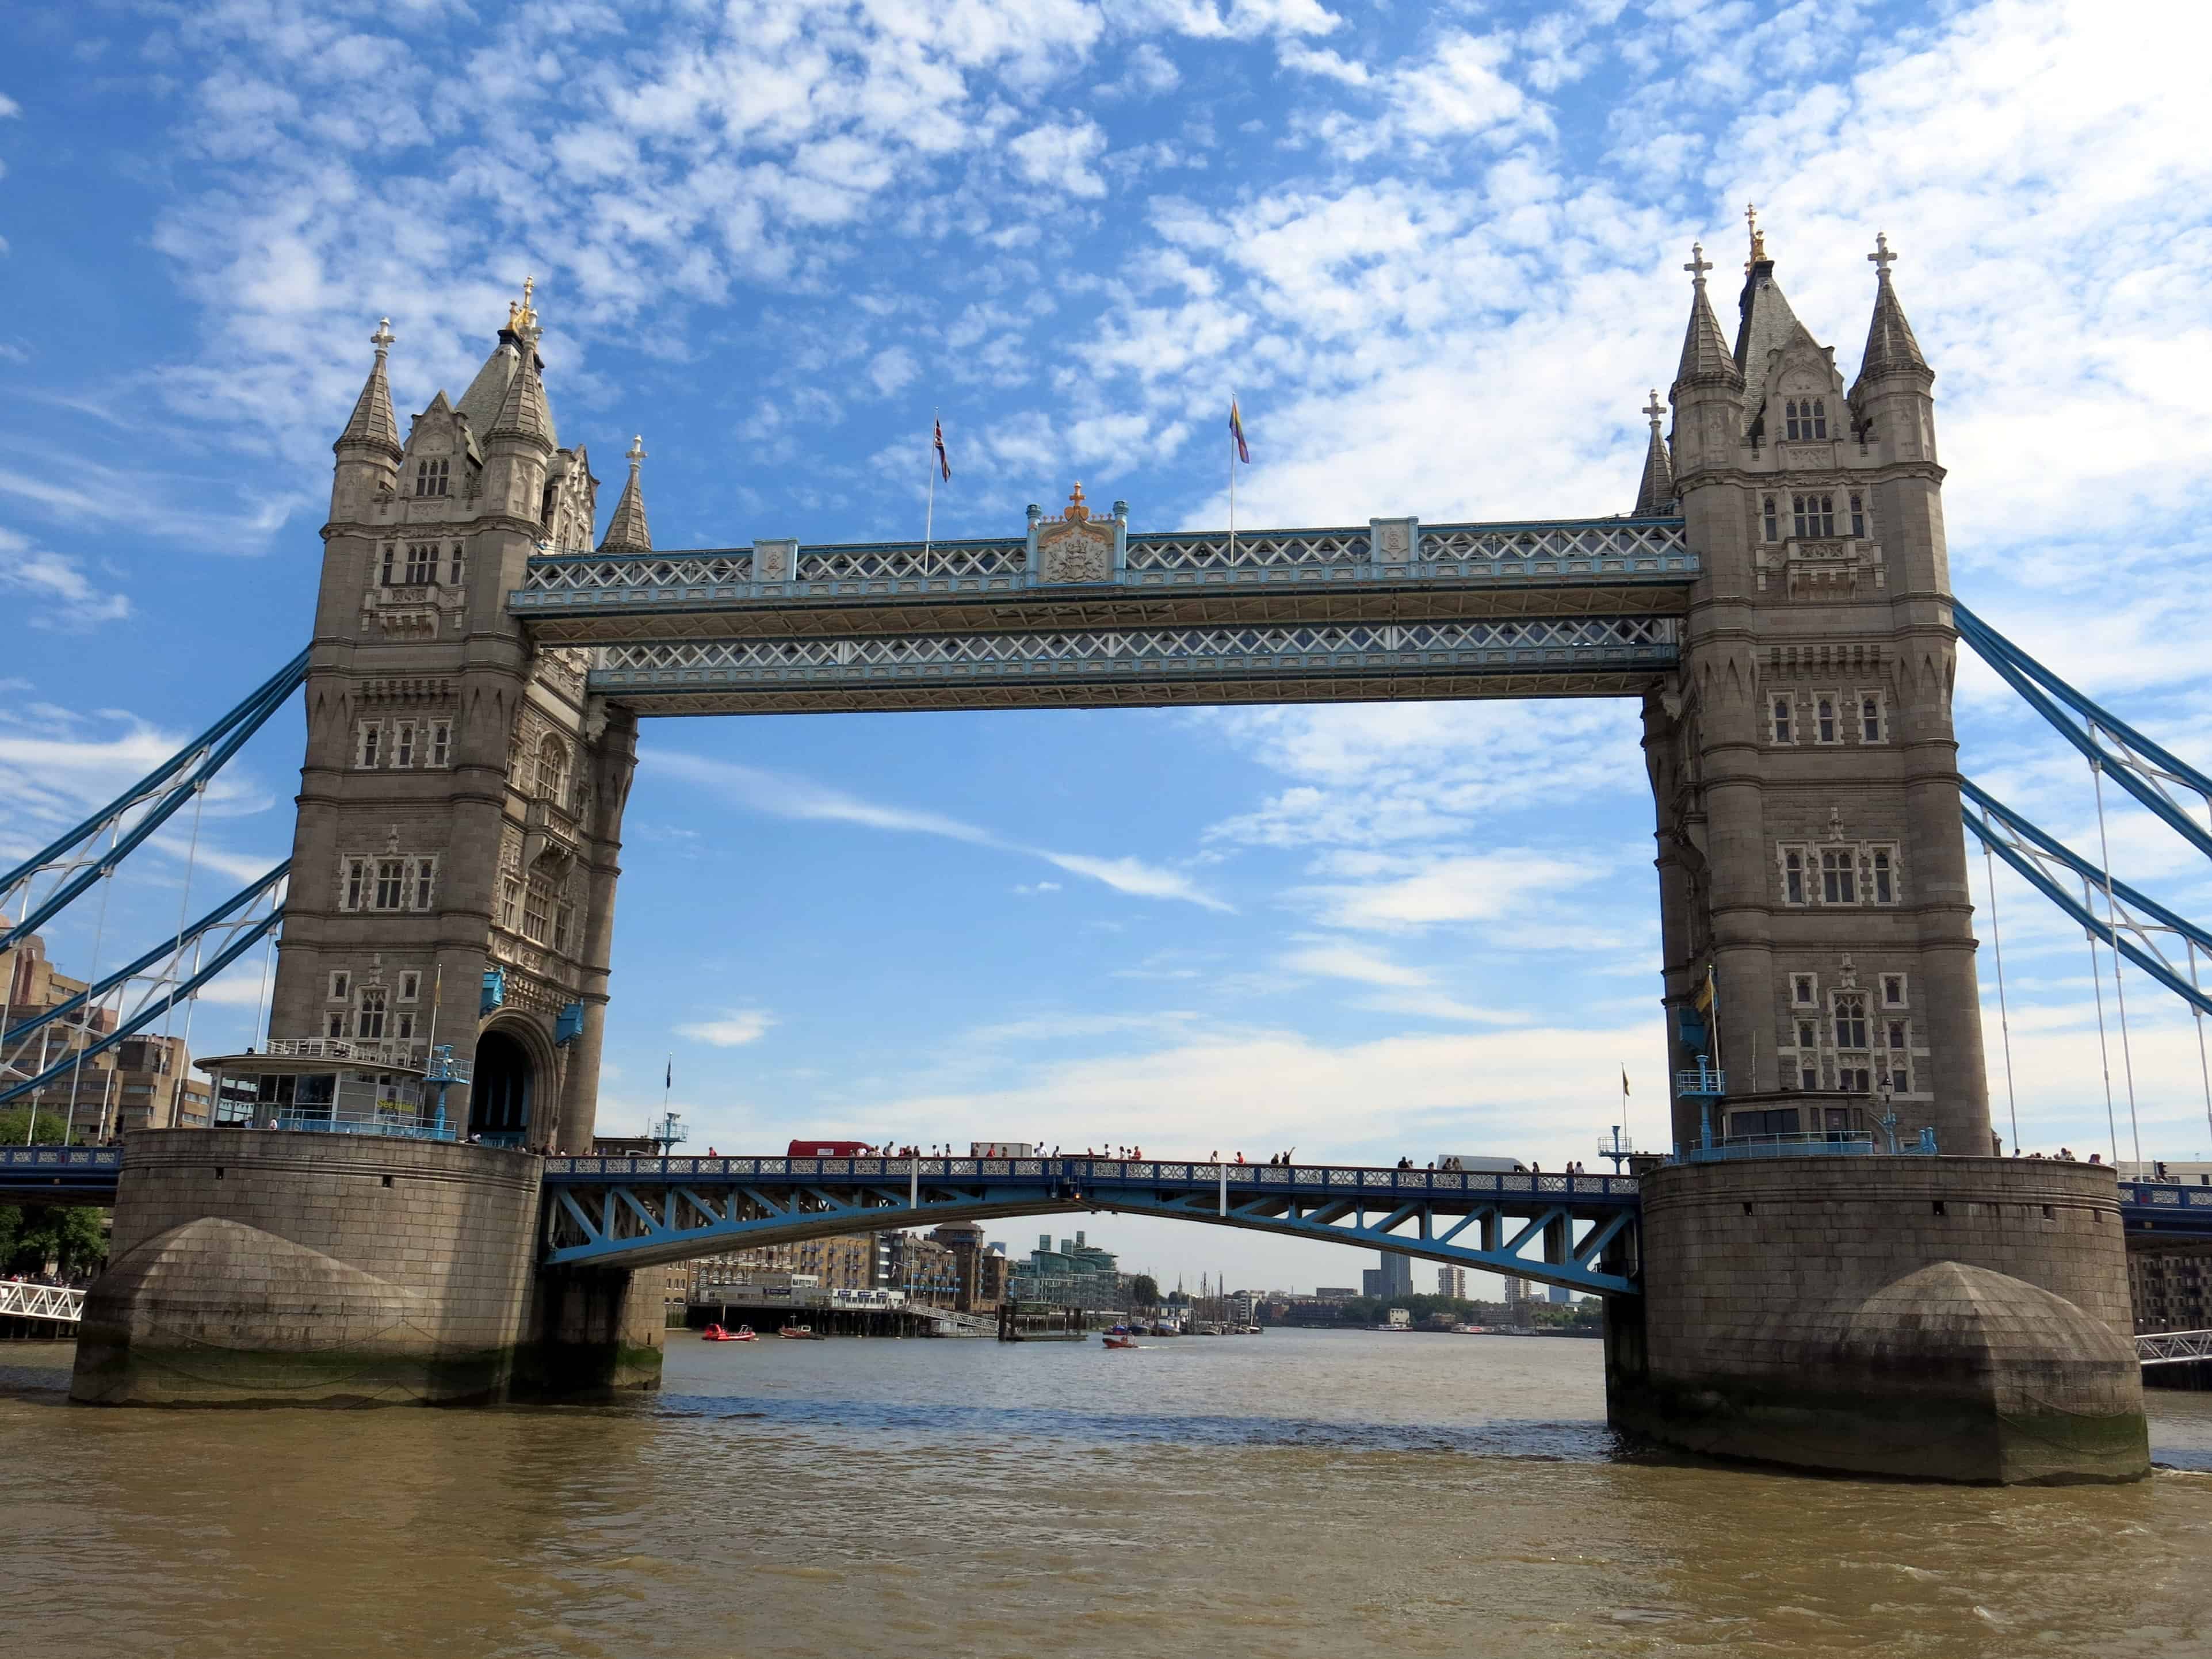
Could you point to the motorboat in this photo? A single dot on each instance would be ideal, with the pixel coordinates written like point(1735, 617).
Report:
point(716, 1334)
point(1114, 1341)
point(801, 1334)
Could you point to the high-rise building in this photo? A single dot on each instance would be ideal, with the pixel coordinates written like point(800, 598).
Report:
point(1452, 1282)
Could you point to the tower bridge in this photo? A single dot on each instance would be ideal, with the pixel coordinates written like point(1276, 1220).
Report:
point(1778, 597)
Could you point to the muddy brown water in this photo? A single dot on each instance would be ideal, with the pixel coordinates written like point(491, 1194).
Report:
point(1298, 1493)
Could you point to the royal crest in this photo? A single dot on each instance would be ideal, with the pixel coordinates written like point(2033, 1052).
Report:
point(1074, 547)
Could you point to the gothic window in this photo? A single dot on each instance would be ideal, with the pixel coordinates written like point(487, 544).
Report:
point(1805, 417)
point(1870, 718)
point(1850, 1020)
point(1823, 714)
point(1837, 877)
point(368, 1019)
point(1805, 1034)
point(1894, 1035)
point(386, 577)
point(357, 884)
point(1773, 523)
point(1858, 516)
point(368, 744)
point(1782, 719)
point(1892, 990)
point(403, 743)
point(454, 577)
point(564, 916)
point(1854, 1079)
point(404, 1025)
point(422, 564)
point(441, 742)
point(1793, 876)
point(391, 885)
point(424, 880)
point(553, 770)
point(411, 987)
point(537, 908)
point(341, 984)
point(1801, 990)
point(510, 904)
point(430, 477)
point(335, 1025)
point(1885, 889)
point(1809, 1075)
point(1815, 515)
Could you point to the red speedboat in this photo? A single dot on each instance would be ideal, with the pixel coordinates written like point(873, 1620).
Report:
point(1113, 1342)
point(716, 1334)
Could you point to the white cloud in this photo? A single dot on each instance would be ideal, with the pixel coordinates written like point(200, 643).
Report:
point(1061, 157)
point(733, 1030)
point(893, 370)
point(54, 589)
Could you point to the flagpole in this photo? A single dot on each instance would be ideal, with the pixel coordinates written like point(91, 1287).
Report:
point(929, 513)
point(1232, 479)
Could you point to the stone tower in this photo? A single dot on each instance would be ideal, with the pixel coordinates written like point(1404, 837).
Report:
point(461, 799)
point(1813, 869)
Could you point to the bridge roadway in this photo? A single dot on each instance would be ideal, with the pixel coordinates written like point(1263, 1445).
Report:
point(636, 1211)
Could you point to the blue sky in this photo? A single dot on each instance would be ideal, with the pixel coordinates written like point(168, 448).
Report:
point(1436, 251)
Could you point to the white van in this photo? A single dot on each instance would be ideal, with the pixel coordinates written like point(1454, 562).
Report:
point(1475, 1162)
point(1001, 1149)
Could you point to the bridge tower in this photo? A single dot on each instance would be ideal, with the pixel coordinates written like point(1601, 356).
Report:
point(461, 796)
point(1817, 922)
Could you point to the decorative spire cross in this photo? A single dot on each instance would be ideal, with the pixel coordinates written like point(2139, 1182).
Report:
point(1654, 409)
point(383, 337)
point(1758, 236)
point(521, 318)
point(636, 452)
point(1882, 259)
point(1699, 264)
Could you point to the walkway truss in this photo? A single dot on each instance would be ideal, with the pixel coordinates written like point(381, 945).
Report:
point(1573, 1230)
point(57, 1303)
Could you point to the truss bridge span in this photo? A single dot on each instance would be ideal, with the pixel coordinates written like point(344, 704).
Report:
point(1578, 1230)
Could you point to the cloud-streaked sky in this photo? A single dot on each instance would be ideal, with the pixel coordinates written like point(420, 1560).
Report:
point(1437, 252)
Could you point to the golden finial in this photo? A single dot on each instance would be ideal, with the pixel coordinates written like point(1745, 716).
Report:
point(1758, 236)
point(1077, 510)
point(520, 319)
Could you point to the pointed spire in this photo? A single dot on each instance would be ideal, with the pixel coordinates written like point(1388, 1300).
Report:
point(1654, 494)
point(1890, 347)
point(1706, 359)
point(372, 425)
point(626, 530)
point(522, 412)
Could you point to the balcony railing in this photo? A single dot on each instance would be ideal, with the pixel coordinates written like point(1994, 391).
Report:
point(387, 1053)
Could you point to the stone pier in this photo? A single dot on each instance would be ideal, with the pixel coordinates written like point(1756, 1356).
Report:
point(1961, 1319)
point(251, 1268)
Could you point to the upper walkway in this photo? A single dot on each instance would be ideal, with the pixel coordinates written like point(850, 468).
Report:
point(1083, 612)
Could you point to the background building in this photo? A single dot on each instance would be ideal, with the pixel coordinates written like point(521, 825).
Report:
point(1078, 1275)
point(1394, 1278)
point(145, 1082)
point(1452, 1282)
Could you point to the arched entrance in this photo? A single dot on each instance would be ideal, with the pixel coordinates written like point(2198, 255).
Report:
point(499, 1097)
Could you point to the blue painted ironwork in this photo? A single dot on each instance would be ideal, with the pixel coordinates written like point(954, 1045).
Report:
point(59, 1174)
point(1836, 1143)
point(568, 1026)
point(2032, 852)
point(245, 938)
point(75, 860)
point(1701, 1082)
point(1388, 552)
point(2137, 764)
point(638, 1211)
point(2166, 1208)
point(1142, 657)
point(389, 1125)
point(494, 992)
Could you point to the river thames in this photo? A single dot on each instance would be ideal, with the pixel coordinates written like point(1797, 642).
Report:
point(1298, 1493)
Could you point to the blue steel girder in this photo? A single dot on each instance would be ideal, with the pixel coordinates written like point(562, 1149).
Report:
point(779, 1200)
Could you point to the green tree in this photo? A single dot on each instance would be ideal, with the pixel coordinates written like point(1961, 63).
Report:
point(1144, 1291)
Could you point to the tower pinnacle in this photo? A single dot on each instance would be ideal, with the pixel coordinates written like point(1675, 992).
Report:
point(1706, 359)
point(372, 424)
point(627, 530)
point(1890, 347)
point(1758, 236)
point(1655, 492)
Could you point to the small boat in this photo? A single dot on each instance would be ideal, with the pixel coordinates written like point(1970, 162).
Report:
point(716, 1334)
point(1114, 1341)
point(801, 1334)
point(745, 1333)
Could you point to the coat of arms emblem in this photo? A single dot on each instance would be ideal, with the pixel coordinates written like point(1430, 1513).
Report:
point(1073, 548)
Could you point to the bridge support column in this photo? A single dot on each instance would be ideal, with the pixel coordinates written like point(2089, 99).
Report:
point(590, 1332)
point(1961, 1319)
point(250, 1266)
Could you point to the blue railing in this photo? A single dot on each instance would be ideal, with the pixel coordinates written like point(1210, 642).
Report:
point(389, 1128)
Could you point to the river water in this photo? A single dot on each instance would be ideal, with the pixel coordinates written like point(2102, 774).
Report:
point(1298, 1493)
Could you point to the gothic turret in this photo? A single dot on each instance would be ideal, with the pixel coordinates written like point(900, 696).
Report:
point(1707, 384)
point(1892, 397)
point(1890, 347)
point(1776, 353)
point(1654, 493)
point(368, 448)
point(627, 532)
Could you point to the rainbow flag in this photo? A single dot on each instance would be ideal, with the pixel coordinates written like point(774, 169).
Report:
point(1237, 432)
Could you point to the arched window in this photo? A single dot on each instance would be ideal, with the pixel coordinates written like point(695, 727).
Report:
point(1858, 515)
point(1782, 719)
point(1817, 422)
point(1851, 1022)
point(369, 1022)
point(1870, 720)
point(553, 770)
point(1815, 515)
point(1773, 527)
point(430, 477)
point(1825, 711)
point(1839, 878)
point(1793, 876)
point(1884, 891)
point(1789, 416)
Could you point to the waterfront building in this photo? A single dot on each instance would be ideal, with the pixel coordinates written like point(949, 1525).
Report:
point(1516, 1291)
point(980, 1270)
point(1334, 1294)
point(2170, 1287)
point(926, 1269)
point(1078, 1275)
point(1394, 1278)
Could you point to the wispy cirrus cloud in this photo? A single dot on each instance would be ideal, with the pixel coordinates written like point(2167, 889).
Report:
point(782, 795)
